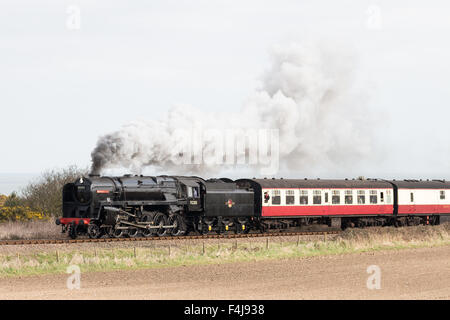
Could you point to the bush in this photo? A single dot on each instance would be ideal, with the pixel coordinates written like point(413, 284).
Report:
point(45, 194)
point(19, 213)
point(12, 208)
point(13, 200)
point(2, 199)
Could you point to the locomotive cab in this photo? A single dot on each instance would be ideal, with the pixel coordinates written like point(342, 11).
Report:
point(194, 194)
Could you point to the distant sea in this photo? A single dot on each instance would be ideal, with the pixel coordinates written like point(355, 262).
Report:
point(10, 182)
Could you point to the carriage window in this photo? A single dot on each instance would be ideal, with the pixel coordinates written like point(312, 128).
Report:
point(290, 199)
point(348, 197)
point(266, 197)
point(317, 197)
point(336, 197)
point(388, 196)
point(195, 192)
point(373, 197)
point(276, 197)
point(442, 195)
point(303, 196)
point(361, 196)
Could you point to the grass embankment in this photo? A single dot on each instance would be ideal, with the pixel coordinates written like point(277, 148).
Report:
point(350, 241)
point(33, 229)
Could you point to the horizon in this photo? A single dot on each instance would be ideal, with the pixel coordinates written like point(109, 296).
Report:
point(15, 182)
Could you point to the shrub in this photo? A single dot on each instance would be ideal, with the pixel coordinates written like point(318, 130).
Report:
point(19, 213)
point(12, 208)
point(2, 199)
point(13, 200)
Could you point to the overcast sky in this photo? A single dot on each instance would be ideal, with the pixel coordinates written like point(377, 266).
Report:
point(61, 86)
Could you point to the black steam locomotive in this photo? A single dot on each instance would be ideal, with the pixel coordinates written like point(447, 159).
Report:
point(153, 206)
point(175, 205)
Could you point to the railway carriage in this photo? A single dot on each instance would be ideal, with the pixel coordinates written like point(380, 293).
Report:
point(417, 200)
point(295, 202)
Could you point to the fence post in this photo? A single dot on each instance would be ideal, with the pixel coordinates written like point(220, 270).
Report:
point(203, 247)
point(169, 250)
point(134, 252)
point(57, 256)
point(267, 243)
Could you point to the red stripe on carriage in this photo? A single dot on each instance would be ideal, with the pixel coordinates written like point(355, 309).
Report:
point(423, 209)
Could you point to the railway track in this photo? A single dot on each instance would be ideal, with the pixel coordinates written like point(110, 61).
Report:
point(209, 236)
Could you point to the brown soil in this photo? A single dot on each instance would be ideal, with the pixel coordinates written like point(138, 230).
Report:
point(405, 274)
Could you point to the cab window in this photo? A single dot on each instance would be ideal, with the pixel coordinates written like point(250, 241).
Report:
point(193, 192)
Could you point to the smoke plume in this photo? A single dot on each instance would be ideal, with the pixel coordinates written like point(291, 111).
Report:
point(308, 94)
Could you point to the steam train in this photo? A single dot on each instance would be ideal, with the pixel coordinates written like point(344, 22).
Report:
point(131, 206)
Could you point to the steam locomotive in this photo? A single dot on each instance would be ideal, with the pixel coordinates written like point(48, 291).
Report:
point(131, 206)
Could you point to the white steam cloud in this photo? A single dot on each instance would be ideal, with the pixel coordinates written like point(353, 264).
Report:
point(308, 94)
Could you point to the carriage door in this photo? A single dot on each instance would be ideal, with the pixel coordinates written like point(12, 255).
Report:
point(412, 201)
point(326, 201)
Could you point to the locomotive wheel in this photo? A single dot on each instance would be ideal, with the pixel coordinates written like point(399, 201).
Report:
point(148, 217)
point(204, 231)
point(208, 223)
point(118, 233)
point(231, 226)
point(160, 220)
point(110, 231)
point(72, 230)
point(242, 226)
point(180, 227)
point(133, 233)
point(94, 231)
